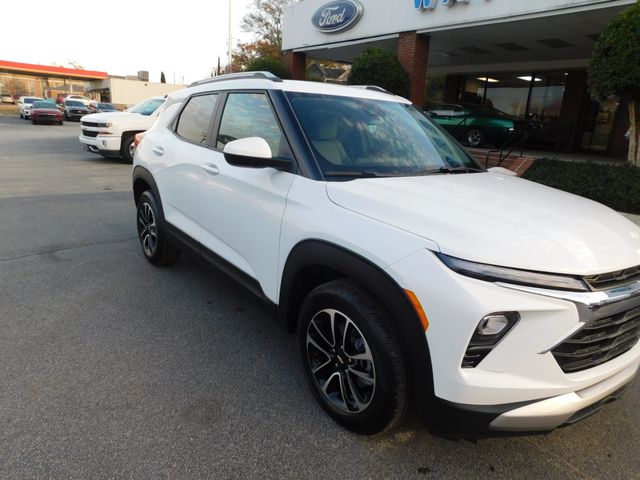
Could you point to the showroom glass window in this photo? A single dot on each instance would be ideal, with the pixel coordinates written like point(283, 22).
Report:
point(250, 115)
point(195, 119)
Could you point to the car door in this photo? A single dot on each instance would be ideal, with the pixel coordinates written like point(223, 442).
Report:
point(178, 155)
point(241, 208)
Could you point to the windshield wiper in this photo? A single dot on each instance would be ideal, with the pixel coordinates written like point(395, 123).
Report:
point(435, 171)
point(357, 174)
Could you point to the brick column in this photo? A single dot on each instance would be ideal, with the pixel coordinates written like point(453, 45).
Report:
point(413, 54)
point(296, 64)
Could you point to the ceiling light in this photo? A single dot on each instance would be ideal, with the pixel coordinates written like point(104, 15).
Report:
point(528, 79)
point(488, 79)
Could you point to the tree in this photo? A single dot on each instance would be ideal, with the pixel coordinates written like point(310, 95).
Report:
point(265, 21)
point(615, 68)
point(162, 78)
point(378, 67)
point(266, 64)
point(245, 53)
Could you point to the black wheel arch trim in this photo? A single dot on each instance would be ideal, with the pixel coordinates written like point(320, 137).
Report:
point(141, 173)
point(312, 253)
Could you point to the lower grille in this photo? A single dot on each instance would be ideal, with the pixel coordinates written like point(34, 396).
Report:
point(598, 342)
point(89, 133)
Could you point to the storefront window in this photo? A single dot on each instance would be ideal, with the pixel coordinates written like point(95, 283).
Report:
point(508, 93)
point(547, 93)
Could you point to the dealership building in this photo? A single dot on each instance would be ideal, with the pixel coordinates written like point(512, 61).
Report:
point(527, 58)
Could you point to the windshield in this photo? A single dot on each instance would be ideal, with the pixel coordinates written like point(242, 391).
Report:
point(106, 106)
point(147, 107)
point(74, 103)
point(44, 105)
point(363, 137)
point(30, 100)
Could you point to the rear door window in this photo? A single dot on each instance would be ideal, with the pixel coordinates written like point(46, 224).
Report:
point(195, 120)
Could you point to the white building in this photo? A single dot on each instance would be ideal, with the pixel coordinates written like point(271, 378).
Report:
point(525, 57)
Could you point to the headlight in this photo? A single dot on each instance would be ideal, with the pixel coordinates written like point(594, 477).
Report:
point(104, 125)
point(492, 273)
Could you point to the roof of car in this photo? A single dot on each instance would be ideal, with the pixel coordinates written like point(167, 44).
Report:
point(263, 82)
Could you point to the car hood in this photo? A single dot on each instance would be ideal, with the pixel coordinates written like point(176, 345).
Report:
point(500, 220)
point(127, 117)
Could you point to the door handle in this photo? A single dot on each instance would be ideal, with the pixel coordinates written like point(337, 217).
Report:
point(158, 151)
point(211, 168)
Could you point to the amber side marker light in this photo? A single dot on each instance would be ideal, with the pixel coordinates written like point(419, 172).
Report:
point(418, 308)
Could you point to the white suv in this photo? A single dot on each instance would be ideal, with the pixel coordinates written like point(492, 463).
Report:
point(412, 276)
point(111, 134)
point(25, 104)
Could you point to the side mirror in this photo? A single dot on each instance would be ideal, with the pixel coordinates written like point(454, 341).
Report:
point(252, 152)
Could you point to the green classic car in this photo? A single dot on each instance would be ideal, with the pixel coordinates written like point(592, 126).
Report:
point(474, 125)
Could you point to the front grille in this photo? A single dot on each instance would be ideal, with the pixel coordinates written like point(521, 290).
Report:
point(599, 341)
point(606, 281)
point(89, 133)
point(90, 124)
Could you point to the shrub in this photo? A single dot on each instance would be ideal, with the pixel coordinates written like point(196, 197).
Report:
point(378, 67)
point(616, 186)
point(268, 64)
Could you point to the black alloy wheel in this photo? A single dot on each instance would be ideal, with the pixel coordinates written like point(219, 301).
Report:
point(352, 358)
point(151, 234)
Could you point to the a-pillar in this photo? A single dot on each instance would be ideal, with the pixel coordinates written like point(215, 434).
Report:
point(413, 54)
point(296, 64)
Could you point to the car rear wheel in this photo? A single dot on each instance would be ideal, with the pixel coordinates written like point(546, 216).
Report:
point(33, 121)
point(151, 232)
point(475, 138)
point(352, 358)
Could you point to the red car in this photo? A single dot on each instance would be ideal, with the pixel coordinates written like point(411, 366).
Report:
point(46, 112)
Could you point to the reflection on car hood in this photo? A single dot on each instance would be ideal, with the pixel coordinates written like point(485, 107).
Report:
point(500, 220)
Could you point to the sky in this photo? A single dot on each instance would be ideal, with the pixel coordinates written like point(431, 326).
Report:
point(121, 37)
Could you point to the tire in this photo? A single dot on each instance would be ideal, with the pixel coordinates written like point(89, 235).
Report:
point(33, 121)
point(21, 115)
point(60, 122)
point(127, 147)
point(475, 137)
point(151, 232)
point(368, 394)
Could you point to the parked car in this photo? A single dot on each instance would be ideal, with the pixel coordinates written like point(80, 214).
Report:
point(24, 105)
point(97, 107)
point(7, 98)
point(74, 109)
point(474, 125)
point(42, 112)
point(411, 275)
point(112, 134)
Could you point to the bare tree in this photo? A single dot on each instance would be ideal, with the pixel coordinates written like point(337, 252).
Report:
point(265, 20)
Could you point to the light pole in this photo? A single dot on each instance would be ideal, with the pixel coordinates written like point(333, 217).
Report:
point(230, 39)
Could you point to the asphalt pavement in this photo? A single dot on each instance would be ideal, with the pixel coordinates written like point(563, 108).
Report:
point(112, 368)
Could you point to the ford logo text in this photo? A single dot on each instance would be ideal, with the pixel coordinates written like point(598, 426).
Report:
point(337, 16)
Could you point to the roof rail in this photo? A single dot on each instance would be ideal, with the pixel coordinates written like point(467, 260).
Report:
point(237, 76)
point(375, 88)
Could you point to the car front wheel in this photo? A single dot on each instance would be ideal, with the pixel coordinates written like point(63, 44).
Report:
point(128, 147)
point(352, 358)
point(151, 232)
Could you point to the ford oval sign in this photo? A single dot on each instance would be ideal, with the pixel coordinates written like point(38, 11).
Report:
point(337, 16)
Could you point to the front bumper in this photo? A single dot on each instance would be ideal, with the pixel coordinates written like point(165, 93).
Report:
point(519, 386)
point(106, 145)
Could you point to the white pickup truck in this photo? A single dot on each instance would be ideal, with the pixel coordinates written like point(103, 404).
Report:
point(111, 134)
